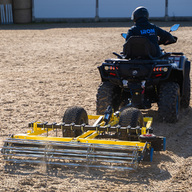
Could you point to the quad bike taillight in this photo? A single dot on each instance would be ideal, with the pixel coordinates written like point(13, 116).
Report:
point(160, 69)
point(110, 68)
point(160, 72)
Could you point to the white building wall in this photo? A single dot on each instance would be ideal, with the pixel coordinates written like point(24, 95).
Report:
point(64, 8)
point(124, 8)
point(108, 8)
point(180, 8)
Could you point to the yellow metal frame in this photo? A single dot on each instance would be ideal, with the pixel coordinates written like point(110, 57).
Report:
point(89, 136)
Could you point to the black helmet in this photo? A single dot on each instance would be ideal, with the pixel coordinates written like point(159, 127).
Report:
point(140, 12)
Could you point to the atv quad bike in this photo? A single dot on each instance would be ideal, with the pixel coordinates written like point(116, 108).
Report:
point(139, 79)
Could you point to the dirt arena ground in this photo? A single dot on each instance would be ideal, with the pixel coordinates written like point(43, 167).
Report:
point(45, 68)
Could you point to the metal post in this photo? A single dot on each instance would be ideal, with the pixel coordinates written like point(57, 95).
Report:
point(166, 10)
point(33, 11)
point(97, 11)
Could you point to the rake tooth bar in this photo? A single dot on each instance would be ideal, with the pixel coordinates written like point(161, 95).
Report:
point(70, 154)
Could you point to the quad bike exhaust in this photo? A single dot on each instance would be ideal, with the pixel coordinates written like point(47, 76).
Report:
point(50, 144)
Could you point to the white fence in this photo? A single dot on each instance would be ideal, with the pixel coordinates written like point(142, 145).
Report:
point(6, 14)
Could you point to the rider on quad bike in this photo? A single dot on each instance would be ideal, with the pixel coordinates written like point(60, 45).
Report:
point(142, 27)
point(143, 75)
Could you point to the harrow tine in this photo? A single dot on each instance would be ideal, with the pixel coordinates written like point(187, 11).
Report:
point(70, 164)
point(64, 153)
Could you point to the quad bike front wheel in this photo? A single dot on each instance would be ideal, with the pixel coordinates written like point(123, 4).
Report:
point(130, 116)
point(76, 115)
point(169, 102)
point(107, 94)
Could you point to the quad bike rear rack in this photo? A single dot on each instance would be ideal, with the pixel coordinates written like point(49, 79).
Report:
point(45, 144)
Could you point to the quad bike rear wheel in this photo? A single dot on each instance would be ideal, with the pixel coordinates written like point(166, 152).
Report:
point(186, 89)
point(169, 102)
point(185, 99)
point(107, 94)
point(76, 115)
point(130, 116)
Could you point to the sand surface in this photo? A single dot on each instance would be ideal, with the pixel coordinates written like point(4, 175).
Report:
point(45, 68)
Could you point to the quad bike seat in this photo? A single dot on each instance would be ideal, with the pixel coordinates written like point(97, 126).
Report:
point(139, 47)
point(139, 50)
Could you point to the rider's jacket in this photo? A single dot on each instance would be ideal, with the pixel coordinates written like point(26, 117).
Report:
point(142, 27)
